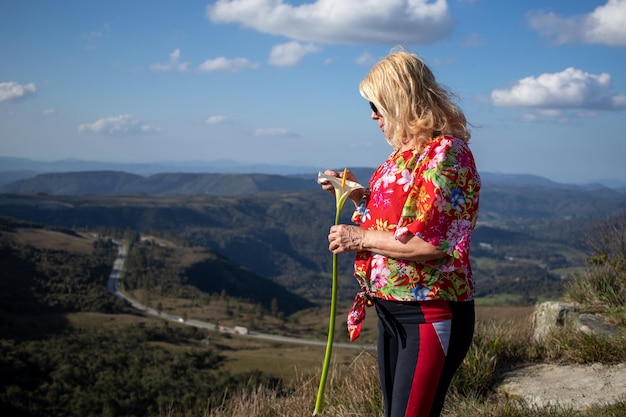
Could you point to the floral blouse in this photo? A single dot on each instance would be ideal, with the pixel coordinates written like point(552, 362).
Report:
point(432, 195)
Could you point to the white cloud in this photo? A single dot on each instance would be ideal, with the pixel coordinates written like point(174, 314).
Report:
point(215, 120)
point(561, 116)
point(210, 65)
point(48, 112)
point(530, 117)
point(605, 25)
point(569, 89)
point(229, 65)
point(173, 64)
point(291, 53)
point(273, 131)
point(12, 91)
point(444, 61)
point(618, 101)
point(123, 124)
point(365, 59)
point(473, 40)
point(550, 112)
point(345, 21)
point(94, 35)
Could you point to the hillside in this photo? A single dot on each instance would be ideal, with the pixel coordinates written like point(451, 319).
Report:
point(48, 270)
point(70, 348)
point(121, 183)
point(523, 245)
point(530, 234)
point(107, 182)
point(32, 254)
point(185, 271)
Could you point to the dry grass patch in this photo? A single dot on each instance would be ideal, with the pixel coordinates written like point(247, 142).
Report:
point(284, 362)
point(519, 315)
point(52, 240)
point(108, 321)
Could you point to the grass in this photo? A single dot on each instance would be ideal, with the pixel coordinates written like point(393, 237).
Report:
point(353, 389)
point(85, 320)
point(309, 324)
point(500, 300)
point(52, 239)
point(518, 315)
point(502, 341)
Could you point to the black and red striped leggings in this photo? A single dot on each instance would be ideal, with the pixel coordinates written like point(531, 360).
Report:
point(420, 347)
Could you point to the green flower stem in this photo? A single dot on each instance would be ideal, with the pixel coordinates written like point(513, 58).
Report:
point(331, 329)
point(343, 188)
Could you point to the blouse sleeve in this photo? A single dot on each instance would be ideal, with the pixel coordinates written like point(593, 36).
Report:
point(442, 206)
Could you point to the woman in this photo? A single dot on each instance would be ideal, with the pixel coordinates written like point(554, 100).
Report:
point(415, 220)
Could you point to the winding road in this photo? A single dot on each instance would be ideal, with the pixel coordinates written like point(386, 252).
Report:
point(116, 277)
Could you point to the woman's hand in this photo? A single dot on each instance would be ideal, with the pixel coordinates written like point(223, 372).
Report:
point(327, 186)
point(344, 238)
point(355, 196)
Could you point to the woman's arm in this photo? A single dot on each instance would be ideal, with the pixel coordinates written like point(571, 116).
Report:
point(344, 238)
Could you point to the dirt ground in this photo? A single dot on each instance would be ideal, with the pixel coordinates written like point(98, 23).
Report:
point(576, 386)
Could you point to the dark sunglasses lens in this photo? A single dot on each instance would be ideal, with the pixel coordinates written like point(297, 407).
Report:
point(374, 109)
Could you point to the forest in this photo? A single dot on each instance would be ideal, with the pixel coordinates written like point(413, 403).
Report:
point(537, 234)
point(70, 348)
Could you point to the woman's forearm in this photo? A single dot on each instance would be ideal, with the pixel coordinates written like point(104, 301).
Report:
point(410, 247)
point(345, 238)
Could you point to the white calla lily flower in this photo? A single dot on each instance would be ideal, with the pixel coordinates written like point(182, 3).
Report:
point(343, 189)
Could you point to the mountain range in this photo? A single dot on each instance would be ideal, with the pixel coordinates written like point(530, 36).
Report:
point(528, 236)
point(76, 177)
point(15, 169)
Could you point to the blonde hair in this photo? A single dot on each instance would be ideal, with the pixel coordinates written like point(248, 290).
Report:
point(415, 107)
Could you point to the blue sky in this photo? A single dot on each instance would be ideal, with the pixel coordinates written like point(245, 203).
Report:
point(276, 81)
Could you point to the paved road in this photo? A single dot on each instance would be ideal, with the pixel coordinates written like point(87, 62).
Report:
point(113, 285)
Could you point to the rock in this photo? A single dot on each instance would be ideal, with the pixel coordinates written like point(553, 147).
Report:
point(576, 386)
point(549, 315)
point(595, 325)
point(553, 314)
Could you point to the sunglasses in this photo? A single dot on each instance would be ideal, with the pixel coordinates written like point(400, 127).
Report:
point(374, 109)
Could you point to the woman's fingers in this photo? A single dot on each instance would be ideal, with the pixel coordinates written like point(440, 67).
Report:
point(343, 238)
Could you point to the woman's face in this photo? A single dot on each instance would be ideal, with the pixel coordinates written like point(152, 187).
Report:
point(381, 121)
point(378, 117)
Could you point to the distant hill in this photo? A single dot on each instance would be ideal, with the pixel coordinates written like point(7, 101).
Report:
point(169, 184)
point(28, 167)
point(13, 169)
point(122, 183)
